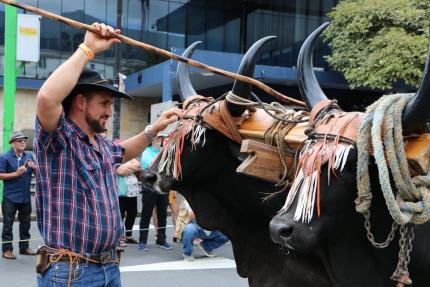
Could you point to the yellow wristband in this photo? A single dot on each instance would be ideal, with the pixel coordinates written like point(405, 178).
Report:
point(87, 51)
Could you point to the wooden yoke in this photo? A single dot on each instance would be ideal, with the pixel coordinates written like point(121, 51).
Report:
point(417, 151)
point(263, 161)
point(259, 122)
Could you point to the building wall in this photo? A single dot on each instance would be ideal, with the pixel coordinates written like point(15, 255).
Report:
point(25, 111)
point(134, 114)
point(222, 25)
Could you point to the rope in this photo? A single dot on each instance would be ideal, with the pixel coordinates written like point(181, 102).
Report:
point(286, 119)
point(274, 106)
point(41, 239)
point(382, 127)
point(73, 258)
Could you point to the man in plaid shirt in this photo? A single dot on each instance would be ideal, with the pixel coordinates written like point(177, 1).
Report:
point(76, 198)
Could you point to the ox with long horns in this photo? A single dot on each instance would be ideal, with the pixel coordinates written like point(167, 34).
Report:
point(227, 201)
point(346, 248)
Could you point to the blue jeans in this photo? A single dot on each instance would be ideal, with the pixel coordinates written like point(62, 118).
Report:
point(210, 242)
point(83, 274)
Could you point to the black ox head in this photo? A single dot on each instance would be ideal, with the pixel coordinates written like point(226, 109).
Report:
point(338, 235)
point(232, 203)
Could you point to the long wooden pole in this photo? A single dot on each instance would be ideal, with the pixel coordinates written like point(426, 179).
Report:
point(153, 49)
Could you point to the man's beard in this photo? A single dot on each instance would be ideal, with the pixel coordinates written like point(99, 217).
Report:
point(94, 124)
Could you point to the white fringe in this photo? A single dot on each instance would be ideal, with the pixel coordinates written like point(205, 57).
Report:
point(167, 160)
point(168, 157)
point(341, 156)
point(306, 187)
point(297, 183)
point(199, 133)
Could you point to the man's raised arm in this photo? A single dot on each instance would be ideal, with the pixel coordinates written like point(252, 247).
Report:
point(62, 81)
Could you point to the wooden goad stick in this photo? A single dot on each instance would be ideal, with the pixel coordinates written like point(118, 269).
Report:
point(153, 49)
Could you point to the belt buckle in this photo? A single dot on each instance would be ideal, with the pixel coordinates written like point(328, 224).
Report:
point(106, 257)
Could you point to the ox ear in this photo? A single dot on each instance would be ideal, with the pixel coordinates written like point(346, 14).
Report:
point(416, 114)
point(183, 77)
point(246, 68)
point(308, 85)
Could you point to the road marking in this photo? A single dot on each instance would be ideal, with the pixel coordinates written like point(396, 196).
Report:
point(201, 263)
point(151, 226)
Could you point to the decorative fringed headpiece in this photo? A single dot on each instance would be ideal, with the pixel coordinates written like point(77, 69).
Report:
point(171, 154)
point(307, 181)
point(331, 136)
point(201, 113)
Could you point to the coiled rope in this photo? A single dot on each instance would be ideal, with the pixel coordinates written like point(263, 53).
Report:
point(382, 127)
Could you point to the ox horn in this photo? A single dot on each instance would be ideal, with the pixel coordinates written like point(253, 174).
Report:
point(183, 77)
point(308, 85)
point(246, 68)
point(416, 113)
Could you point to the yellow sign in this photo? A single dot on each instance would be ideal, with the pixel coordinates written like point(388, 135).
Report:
point(28, 38)
point(26, 31)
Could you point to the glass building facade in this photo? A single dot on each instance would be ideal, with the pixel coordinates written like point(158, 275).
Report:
point(222, 25)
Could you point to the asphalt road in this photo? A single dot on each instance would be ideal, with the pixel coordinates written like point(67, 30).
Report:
point(154, 268)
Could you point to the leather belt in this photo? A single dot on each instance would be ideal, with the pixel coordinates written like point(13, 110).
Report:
point(47, 256)
point(108, 256)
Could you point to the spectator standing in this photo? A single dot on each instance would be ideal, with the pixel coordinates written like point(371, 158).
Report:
point(16, 168)
point(128, 175)
point(174, 207)
point(150, 200)
point(191, 234)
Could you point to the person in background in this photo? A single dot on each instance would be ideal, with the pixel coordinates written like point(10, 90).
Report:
point(150, 200)
point(191, 234)
point(174, 207)
point(128, 175)
point(173, 195)
point(16, 168)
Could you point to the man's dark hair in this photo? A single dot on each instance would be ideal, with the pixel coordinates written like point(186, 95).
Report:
point(67, 102)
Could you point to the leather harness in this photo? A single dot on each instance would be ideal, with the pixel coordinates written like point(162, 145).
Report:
point(326, 122)
point(215, 115)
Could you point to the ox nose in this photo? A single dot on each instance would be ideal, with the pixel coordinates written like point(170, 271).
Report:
point(280, 231)
point(149, 178)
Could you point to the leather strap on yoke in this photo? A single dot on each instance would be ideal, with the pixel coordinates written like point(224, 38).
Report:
point(216, 116)
point(324, 104)
point(328, 119)
point(192, 101)
point(230, 122)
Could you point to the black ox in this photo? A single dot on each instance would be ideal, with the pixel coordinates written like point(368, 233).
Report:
point(338, 235)
point(230, 202)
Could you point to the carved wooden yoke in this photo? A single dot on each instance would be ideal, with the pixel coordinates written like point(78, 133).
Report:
point(250, 130)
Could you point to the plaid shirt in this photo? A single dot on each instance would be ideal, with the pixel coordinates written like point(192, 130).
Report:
point(76, 195)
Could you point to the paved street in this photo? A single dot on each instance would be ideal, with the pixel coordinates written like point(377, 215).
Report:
point(154, 268)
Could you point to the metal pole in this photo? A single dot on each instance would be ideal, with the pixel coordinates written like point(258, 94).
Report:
point(116, 123)
point(9, 86)
point(9, 73)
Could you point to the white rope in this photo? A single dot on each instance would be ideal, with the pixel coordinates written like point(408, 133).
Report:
point(41, 239)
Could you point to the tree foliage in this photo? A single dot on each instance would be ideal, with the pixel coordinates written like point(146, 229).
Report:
point(378, 42)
